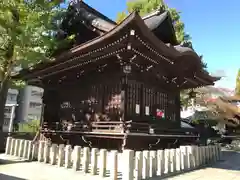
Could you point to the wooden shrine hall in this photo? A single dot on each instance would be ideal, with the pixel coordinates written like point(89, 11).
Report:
point(119, 87)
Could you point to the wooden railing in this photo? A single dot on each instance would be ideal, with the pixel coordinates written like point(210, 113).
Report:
point(114, 127)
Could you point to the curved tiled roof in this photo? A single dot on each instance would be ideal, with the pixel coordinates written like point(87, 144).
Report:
point(109, 42)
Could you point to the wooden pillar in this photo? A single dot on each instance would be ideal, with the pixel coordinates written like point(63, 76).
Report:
point(124, 93)
point(178, 108)
point(51, 103)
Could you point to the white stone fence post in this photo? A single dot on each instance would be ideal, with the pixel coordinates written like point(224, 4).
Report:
point(128, 164)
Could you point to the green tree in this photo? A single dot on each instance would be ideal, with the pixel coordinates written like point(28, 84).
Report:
point(26, 37)
point(147, 6)
point(237, 90)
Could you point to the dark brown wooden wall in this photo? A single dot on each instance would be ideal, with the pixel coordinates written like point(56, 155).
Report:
point(105, 92)
point(144, 95)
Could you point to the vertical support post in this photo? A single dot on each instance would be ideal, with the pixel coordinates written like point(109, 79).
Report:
point(85, 159)
point(21, 147)
point(53, 154)
point(29, 151)
point(76, 157)
point(160, 162)
point(34, 154)
point(25, 149)
point(128, 156)
point(46, 152)
point(216, 152)
point(17, 145)
point(172, 160)
point(41, 151)
point(201, 155)
point(138, 165)
point(12, 146)
point(210, 153)
point(184, 161)
point(166, 159)
point(193, 157)
point(68, 154)
point(207, 154)
point(145, 170)
point(197, 161)
point(8, 145)
point(153, 164)
point(189, 157)
point(220, 151)
point(178, 160)
point(94, 161)
point(114, 165)
point(60, 155)
point(103, 162)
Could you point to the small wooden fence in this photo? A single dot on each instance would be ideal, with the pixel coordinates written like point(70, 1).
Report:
point(127, 165)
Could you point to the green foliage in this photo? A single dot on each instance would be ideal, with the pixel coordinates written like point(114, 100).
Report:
point(32, 126)
point(237, 90)
point(147, 6)
point(26, 33)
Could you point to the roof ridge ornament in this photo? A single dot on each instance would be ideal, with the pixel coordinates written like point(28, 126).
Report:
point(157, 12)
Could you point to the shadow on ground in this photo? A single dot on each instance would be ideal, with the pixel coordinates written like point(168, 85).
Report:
point(230, 161)
point(7, 177)
point(5, 161)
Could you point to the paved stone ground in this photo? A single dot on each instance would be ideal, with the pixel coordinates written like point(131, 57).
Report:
point(227, 169)
point(16, 169)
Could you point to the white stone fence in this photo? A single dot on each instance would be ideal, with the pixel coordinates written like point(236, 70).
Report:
point(128, 165)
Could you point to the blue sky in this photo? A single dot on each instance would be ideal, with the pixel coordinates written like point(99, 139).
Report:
point(213, 25)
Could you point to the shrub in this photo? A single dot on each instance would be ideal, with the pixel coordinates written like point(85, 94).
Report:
point(31, 126)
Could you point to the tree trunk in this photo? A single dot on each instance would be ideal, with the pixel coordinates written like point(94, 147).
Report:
point(3, 98)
